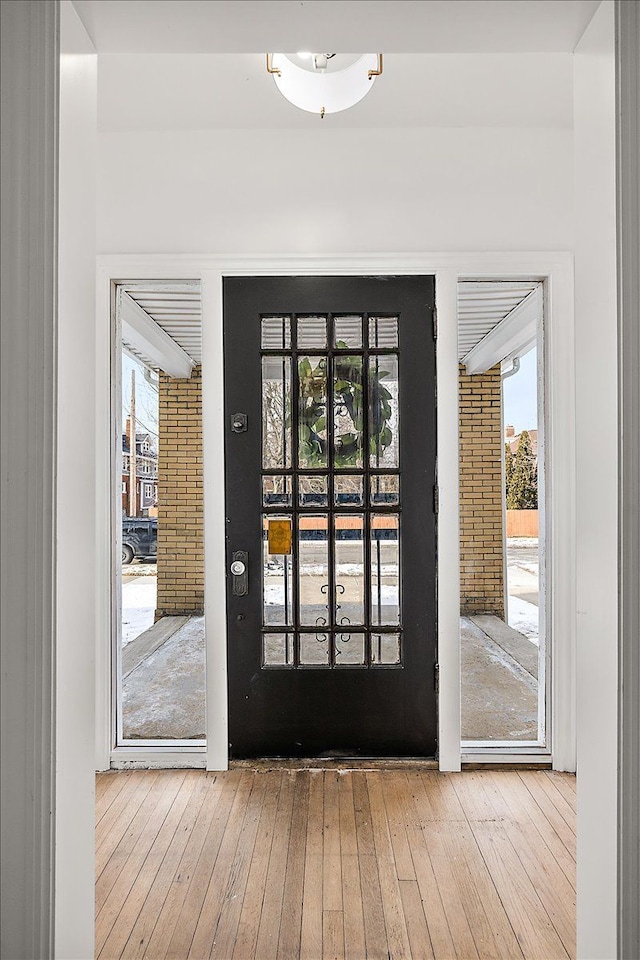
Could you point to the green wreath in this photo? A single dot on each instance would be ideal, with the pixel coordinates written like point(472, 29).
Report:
point(348, 394)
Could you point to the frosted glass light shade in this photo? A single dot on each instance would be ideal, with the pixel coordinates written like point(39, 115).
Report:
point(324, 92)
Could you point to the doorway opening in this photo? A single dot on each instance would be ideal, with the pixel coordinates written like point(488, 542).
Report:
point(158, 653)
point(504, 643)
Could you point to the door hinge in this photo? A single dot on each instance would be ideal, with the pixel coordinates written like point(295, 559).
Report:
point(435, 323)
point(436, 498)
point(436, 677)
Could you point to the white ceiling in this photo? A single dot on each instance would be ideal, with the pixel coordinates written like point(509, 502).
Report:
point(390, 26)
point(196, 92)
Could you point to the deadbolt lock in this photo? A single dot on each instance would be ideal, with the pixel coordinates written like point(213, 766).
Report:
point(239, 422)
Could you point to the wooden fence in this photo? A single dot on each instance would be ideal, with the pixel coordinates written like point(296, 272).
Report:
point(522, 523)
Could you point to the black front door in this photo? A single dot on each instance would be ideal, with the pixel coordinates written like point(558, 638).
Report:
point(331, 529)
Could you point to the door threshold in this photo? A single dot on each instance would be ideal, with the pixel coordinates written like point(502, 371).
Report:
point(343, 764)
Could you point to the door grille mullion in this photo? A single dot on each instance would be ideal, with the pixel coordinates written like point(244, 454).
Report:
point(295, 447)
point(367, 489)
point(331, 527)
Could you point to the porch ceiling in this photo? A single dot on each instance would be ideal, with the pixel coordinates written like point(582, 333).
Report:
point(483, 304)
point(176, 308)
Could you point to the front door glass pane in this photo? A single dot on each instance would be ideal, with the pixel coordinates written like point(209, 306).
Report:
point(312, 412)
point(349, 570)
point(313, 570)
point(277, 579)
point(276, 403)
point(385, 569)
point(312, 491)
point(347, 332)
point(332, 597)
point(384, 445)
point(348, 423)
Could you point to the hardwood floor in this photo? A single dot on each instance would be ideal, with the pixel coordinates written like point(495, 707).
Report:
point(280, 863)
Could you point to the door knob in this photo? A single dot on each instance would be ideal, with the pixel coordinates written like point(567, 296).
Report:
point(240, 573)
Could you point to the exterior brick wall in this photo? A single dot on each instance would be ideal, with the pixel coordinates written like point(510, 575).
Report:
point(180, 504)
point(481, 545)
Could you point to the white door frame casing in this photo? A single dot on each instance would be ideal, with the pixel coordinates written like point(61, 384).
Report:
point(557, 270)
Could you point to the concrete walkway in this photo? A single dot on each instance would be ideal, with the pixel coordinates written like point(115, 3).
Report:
point(163, 688)
point(499, 681)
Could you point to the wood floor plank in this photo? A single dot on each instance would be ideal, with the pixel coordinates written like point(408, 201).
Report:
point(419, 939)
point(311, 933)
point(394, 921)
point(247, 935)
point(187, 921)
point(392, 784)
point(473, 800)
point(423, 865)
point(221, 875)
point(443, 799)
point(566, 784)
point(415, 803)
point(269, 929)
point(108, 788)
point(233, 897)
point(490, 926)
point(554, 806)
point(554, 890)
point(353, 917)
point(374, 926)
point(535, 932)
point(331, 864)
point(332, 935)
point(156, 901)
point(291, 922)
point(110, 859)
point(117, 819)
point(556, 797)
point(521, 808)
point(118, 937)
point(545, 816)
point(449, 890)
point(164, 928)
point(127, 872)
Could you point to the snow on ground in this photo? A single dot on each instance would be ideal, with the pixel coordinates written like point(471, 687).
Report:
point(523, 617)
point(138, 607)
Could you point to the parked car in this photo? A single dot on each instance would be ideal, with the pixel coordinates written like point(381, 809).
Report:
point(139, 538)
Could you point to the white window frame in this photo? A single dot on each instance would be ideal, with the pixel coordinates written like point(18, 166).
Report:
point(477, 751)
point(556, 269)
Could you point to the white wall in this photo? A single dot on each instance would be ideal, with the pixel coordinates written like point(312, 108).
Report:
point(76, 498)
point(597, 494)
point(330, 191)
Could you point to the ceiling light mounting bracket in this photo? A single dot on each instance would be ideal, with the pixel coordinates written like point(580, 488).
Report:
point(378, 72)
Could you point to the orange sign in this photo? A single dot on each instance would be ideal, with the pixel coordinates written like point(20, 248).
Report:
point(279, 536)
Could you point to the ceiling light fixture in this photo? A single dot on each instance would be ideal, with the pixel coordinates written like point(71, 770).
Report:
point(324, 82)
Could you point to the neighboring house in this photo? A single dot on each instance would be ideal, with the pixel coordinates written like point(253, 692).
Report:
point(146, 473)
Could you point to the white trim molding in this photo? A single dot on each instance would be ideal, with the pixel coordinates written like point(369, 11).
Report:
point(448, 268)
point(628, 243)
point(30, 56)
